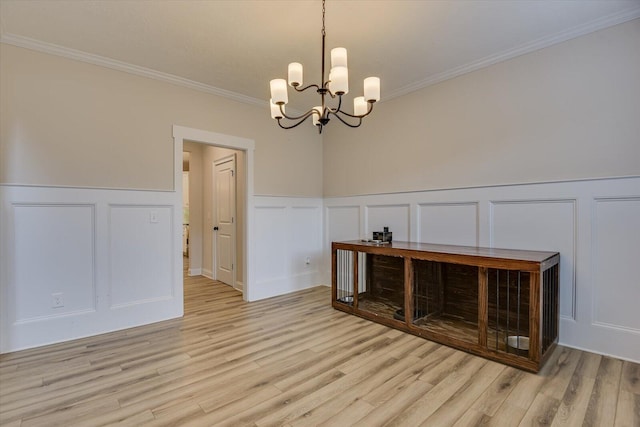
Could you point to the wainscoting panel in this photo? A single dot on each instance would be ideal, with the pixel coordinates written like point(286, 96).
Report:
point(396, 217)
point(54, 256)
point(111, 257)
point(271, 243)
point(140, 254)
point(305, 234)
point(342, 223)
point(542, 225)
point(448, 223)
point(594, 224)
point(616, 255)
point(97, 239)
point(287, 246)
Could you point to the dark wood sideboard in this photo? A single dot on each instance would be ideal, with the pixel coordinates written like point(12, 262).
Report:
point(497, 303)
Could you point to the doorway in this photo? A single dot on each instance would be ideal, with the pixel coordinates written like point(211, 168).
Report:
point(214, 145)
point(217, 210)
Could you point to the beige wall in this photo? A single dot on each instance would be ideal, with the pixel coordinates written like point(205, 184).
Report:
point(570, 111)
point(565, 112)
point(69, 123)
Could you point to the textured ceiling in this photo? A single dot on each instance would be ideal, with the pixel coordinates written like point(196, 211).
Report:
point(238, 46)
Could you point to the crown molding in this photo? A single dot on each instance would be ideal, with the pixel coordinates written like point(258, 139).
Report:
point(580, 30)
point(541, 43)
point(29, 43)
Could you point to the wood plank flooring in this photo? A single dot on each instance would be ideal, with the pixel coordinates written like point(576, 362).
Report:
point(294, 361)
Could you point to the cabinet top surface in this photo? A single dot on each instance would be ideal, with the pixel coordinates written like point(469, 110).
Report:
point(510, 254)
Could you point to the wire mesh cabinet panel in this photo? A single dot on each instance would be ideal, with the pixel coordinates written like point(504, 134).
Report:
point(343, 276)
point(497, 303)
point(508, 311)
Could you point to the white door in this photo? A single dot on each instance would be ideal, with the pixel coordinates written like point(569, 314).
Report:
point(225, 210)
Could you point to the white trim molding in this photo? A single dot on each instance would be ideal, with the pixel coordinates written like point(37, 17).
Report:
point(541, 43)
point(78, 55)
point(181, 134)
point(571, 33)
point(195, 272)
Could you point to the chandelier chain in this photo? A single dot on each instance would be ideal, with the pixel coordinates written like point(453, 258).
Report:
point(323, 10)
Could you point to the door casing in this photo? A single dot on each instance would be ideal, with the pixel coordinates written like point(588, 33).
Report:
point(181, 134)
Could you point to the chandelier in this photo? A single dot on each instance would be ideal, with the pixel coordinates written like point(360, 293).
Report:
point(335, 86)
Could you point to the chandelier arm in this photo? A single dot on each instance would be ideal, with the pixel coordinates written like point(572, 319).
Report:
point(325, 89)
point(303, 116)
point(305, 88)
point(294, 125)
point(344, 121)
point(364, 115)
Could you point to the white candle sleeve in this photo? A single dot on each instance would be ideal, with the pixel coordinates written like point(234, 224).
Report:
point(340, 80)
point(316, 114)
point(339, 57)
point(275, 110)
point(295, 74)
point(372, 89)
point(360, 106)
point(279, 91)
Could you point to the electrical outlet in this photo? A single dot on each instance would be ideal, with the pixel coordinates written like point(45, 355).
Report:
point(57, 300)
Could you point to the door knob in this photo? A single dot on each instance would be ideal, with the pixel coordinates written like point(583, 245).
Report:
point(215, 228)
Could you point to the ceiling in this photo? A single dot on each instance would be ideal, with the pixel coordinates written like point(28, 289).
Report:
point(234, 47)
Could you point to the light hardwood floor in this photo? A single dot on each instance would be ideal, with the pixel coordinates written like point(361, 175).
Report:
point(293, 360)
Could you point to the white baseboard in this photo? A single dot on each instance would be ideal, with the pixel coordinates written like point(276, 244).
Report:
point(287, 284)
point(207, 273)
point(195, 271)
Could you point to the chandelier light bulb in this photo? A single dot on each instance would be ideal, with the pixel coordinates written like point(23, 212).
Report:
point(372, 89)
point(340, 80)
point(295, 74)
point(360, 106)
point(279, 91)
point(275, 110)
point(317, 114)
point(329, 81)
point(338, 57)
